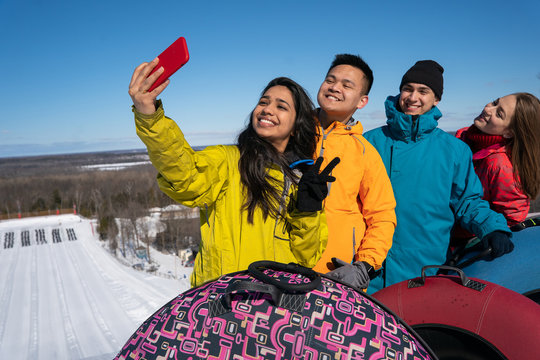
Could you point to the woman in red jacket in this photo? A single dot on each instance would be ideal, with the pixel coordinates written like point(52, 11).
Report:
point(505, 141)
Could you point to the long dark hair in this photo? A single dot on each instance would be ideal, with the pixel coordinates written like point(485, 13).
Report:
point(256, 154)
point(525, 143)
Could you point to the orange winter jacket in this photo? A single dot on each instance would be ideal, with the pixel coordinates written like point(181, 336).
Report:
point(360, 203)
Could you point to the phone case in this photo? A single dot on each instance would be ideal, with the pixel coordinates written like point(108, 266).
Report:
point(172, 59)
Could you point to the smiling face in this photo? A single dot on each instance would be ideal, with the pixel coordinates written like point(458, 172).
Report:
point(416, 99)
point(342, 92)
point(496, 116)
point(274, 116)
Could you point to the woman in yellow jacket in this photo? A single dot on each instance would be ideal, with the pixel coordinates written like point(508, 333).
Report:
point(253, 205)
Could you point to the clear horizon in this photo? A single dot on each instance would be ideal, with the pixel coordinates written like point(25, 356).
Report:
point(67, 65)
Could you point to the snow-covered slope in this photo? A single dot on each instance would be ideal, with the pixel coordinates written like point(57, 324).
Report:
point(66, 297)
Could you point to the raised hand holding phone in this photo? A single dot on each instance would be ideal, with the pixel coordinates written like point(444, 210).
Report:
point(150, 79)
point(143, 100)
point(172, 59)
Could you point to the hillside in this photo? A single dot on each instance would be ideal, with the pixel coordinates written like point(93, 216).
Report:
point(65, 297)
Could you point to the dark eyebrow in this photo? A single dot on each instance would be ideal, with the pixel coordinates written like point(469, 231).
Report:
point(283, 101)
point(277, 99)
point(347, 81)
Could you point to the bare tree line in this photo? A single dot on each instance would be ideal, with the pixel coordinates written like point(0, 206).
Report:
point(43, 185)
point(105, 195)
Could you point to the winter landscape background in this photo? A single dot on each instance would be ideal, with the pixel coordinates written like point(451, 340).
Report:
point(77, 287)
point(65, 296)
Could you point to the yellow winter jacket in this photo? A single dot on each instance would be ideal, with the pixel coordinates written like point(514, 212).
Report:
point(210, 179)
point(360, 203)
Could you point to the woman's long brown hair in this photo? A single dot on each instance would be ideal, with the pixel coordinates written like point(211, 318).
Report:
point(525, 143)
point(257, 154)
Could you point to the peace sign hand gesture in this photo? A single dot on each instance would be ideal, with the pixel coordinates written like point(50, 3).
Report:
point(312, 188)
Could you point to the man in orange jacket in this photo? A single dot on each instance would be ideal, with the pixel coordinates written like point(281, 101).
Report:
point(360, 203)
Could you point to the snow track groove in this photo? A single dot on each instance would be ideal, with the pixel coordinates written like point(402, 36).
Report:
point(92, 301)
point(135, 295)
point(34, 308)
point(7, 290)
point(73, 346)
point(69, 298)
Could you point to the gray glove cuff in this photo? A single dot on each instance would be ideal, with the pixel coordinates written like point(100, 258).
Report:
point(362, 273)
point(355, 275)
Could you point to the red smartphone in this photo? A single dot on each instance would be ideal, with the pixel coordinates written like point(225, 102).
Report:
point(172, 59)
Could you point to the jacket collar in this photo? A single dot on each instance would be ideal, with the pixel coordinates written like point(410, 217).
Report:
point(493, 149)
point(402, 126)
point(352, 126)
point(477, 140)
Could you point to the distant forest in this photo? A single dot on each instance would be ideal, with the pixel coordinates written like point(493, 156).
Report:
point(51, 184)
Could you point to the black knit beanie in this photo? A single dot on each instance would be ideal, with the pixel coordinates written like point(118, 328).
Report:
point(427, 72)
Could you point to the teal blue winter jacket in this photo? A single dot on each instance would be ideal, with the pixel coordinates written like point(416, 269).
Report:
point(435, 184)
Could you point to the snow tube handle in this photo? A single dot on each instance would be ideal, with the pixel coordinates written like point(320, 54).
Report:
point(462, 252)
point(256, 270)
point(465, 281)
point(249, 286)
point(223, 304)
point(483, 254)
point(285, 295)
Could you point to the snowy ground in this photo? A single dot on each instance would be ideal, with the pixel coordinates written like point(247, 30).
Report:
point(63, 295)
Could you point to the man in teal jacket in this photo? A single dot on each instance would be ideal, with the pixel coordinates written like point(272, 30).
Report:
point(433, 179)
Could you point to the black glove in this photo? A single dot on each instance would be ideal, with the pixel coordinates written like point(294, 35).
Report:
point(355, 274)
point(312, 188)
point(500, 243)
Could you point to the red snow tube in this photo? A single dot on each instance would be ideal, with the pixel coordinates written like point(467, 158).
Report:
point(467, 318)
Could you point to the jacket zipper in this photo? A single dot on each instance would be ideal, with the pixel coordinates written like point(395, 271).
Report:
point(354, 243)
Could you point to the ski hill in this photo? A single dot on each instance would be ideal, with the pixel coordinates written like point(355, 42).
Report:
point(64, 296)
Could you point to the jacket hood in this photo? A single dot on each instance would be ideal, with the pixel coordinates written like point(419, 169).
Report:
point(401, 125)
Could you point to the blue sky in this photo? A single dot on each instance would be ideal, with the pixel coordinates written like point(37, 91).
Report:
point(66, 65)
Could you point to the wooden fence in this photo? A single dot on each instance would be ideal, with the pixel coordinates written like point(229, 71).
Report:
point(36, 213)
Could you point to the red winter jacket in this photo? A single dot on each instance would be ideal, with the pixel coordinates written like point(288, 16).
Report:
point(501, 188)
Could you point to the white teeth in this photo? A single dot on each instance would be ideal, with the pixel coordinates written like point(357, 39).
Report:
point(333, 97)
point(266, 121)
